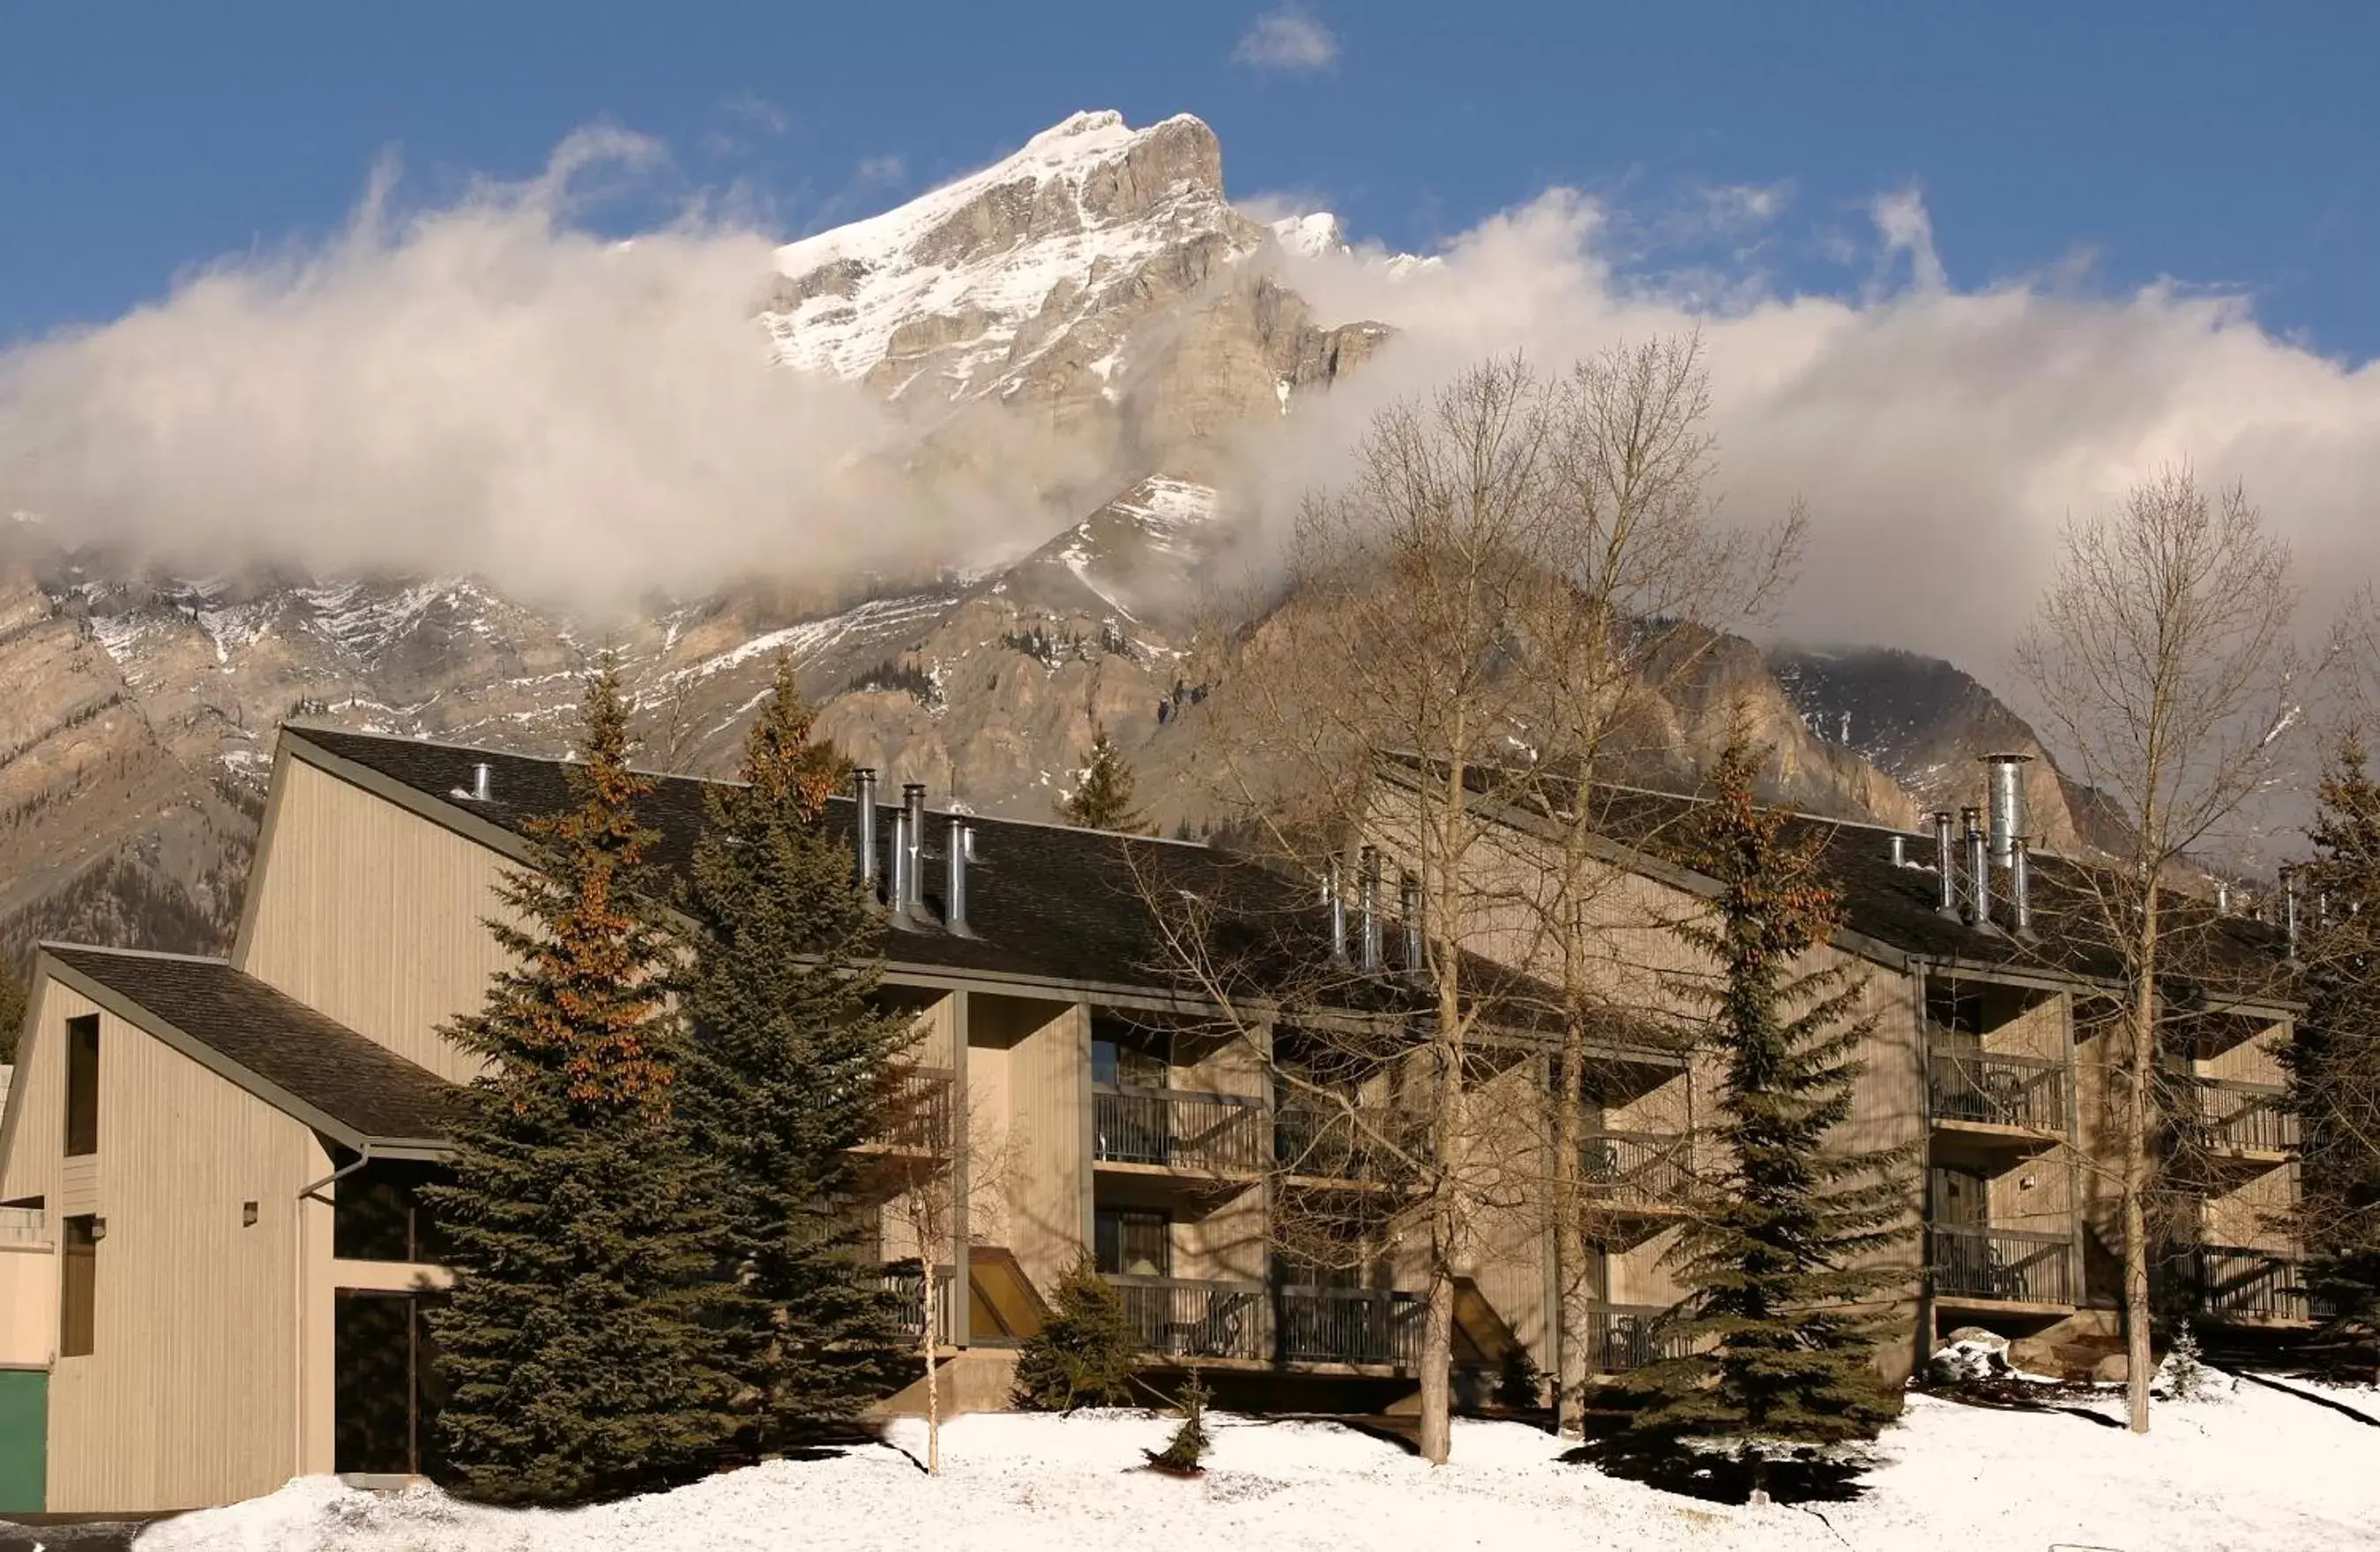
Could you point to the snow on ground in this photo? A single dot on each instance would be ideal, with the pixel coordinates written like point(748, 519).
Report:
point(2254, 1470)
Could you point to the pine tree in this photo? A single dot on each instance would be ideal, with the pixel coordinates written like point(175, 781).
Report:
point(1185, 1454)
point(787, 1074)
point(1084, 1355)
point(1103, 795)
point(573, 1346)
point(2335, 1060)
point(1793, 1239)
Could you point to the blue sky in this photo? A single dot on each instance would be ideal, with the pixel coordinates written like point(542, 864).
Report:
point(2223, 146)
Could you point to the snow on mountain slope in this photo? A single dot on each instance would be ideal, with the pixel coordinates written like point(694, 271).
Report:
point(972, 275)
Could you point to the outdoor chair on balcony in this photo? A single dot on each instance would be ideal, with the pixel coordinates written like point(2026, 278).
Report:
point(1215, 1334)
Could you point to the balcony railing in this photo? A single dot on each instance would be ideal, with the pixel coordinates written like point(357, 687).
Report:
point(1223, 1133)
point(1349, 1325)
point(2012, 1266)
point(2228, 1282)
point(1625, 1337)
point(917, 1110)
point(1190, 1317)
point(907, 1283)
point(2025, 1091)
point(24, 1226)
point(1336, 1144)
point(1636, 1170)
point(2238, 1117)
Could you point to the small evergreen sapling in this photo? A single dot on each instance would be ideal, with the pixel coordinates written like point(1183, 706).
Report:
point(1185, 1454)
point(2186, 1376)
point(1085, 1353)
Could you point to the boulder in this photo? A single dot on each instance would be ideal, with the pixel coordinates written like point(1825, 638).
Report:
point(2116, 1368)
point(1968, 1353)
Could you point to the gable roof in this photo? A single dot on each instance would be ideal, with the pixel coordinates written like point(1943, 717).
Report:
point(301, 1063)
point(1045, 903)
point(1890, 911)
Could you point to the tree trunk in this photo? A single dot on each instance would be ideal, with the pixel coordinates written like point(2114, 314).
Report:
point(1574, 1252)
point(933, 1379)
point(1437, 1431)
point(2138, 1092)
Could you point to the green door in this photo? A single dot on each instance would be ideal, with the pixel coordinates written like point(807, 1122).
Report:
point(24, 1439)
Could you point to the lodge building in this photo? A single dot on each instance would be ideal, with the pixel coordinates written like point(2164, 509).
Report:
point(214, 1263)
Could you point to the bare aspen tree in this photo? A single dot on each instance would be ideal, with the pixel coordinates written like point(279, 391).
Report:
point(1406, 586)
point(2162, 661)
point(1641, 580)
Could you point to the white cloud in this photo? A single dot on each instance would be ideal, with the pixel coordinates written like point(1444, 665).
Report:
point(880, 172)
point(1940, 436)
point(1288, 38)
point(756, 112)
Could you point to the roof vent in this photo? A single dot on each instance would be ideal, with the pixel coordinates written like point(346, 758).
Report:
point(1367, 903)
point(961, 847)
point(483, 785)
point(1335, 900)
point(2004, 791)
point(1947, 885)
point(864, 829)
point(1901, 851)
point(1409, 900)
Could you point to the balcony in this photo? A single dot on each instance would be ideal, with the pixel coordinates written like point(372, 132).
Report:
point(1983, 1089)
point(905, 1282)
point(917, 1111)
point(2254, 1287)
point(1356, 1325)
point(1625, 1337)
point(1361, 1148)
point(1193, 1317)
point(1172, 1129)
point(2239, 1121)
point(1980, 1265)
point(1636, 1171)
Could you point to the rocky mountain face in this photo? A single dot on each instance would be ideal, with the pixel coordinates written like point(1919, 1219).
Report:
point(1088, 318)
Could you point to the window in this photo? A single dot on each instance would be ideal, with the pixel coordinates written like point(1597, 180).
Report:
point(1960, 1198)
point(79, 1288)
point(1133, 1244)
point(385, 1393)
point(82, 1085)
point(1957, 1016)
point(377, 1214)
point(1123, 1057)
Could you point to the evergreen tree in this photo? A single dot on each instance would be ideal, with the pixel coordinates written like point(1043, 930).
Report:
point(1793, 1239)
point(12, 1010)
point(574, 1348)
point(1186, 1452)
point(1084, 1355)
point(1102, 797)
point(2335, 1060)
point(787, 1074)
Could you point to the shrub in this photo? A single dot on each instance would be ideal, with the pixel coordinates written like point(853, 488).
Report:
point(1084, 1355)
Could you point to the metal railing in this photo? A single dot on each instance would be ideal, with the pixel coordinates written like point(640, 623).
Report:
point(24, 1226)
point(907, 1283)
point(1221, 1133)
point(1336, 1144)
point(1637, 1168)
point(1348, 1325)
point(1998, 1090)
point(2250, 1118)
point(2014, 1266)
point(2229, 1283)
point(1625, 1337)
point(919, 1110)
point(1191, 1317)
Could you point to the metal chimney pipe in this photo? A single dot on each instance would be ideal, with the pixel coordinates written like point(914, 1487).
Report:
point(904, 859)
point(912, 802)
point(863, 798)
point(2222, 897)
point(2289, 911)
point(1368, 903)
point(483, 783)
point(2020, 883)
point(954, 888)
point(2004, 791)
point(1979, 871)
point(1409, 901)
point(1947, 861)
point(1901, 851)
point(1334, 898)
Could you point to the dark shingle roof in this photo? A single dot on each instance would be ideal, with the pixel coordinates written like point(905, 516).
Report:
point(1045, 902)
point(271, 1043)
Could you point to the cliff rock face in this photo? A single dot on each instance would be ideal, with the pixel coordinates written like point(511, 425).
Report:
point(1082, 320)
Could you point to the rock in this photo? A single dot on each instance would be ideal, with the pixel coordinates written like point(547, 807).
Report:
point(1968, 1353)
point(2116, 1368)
